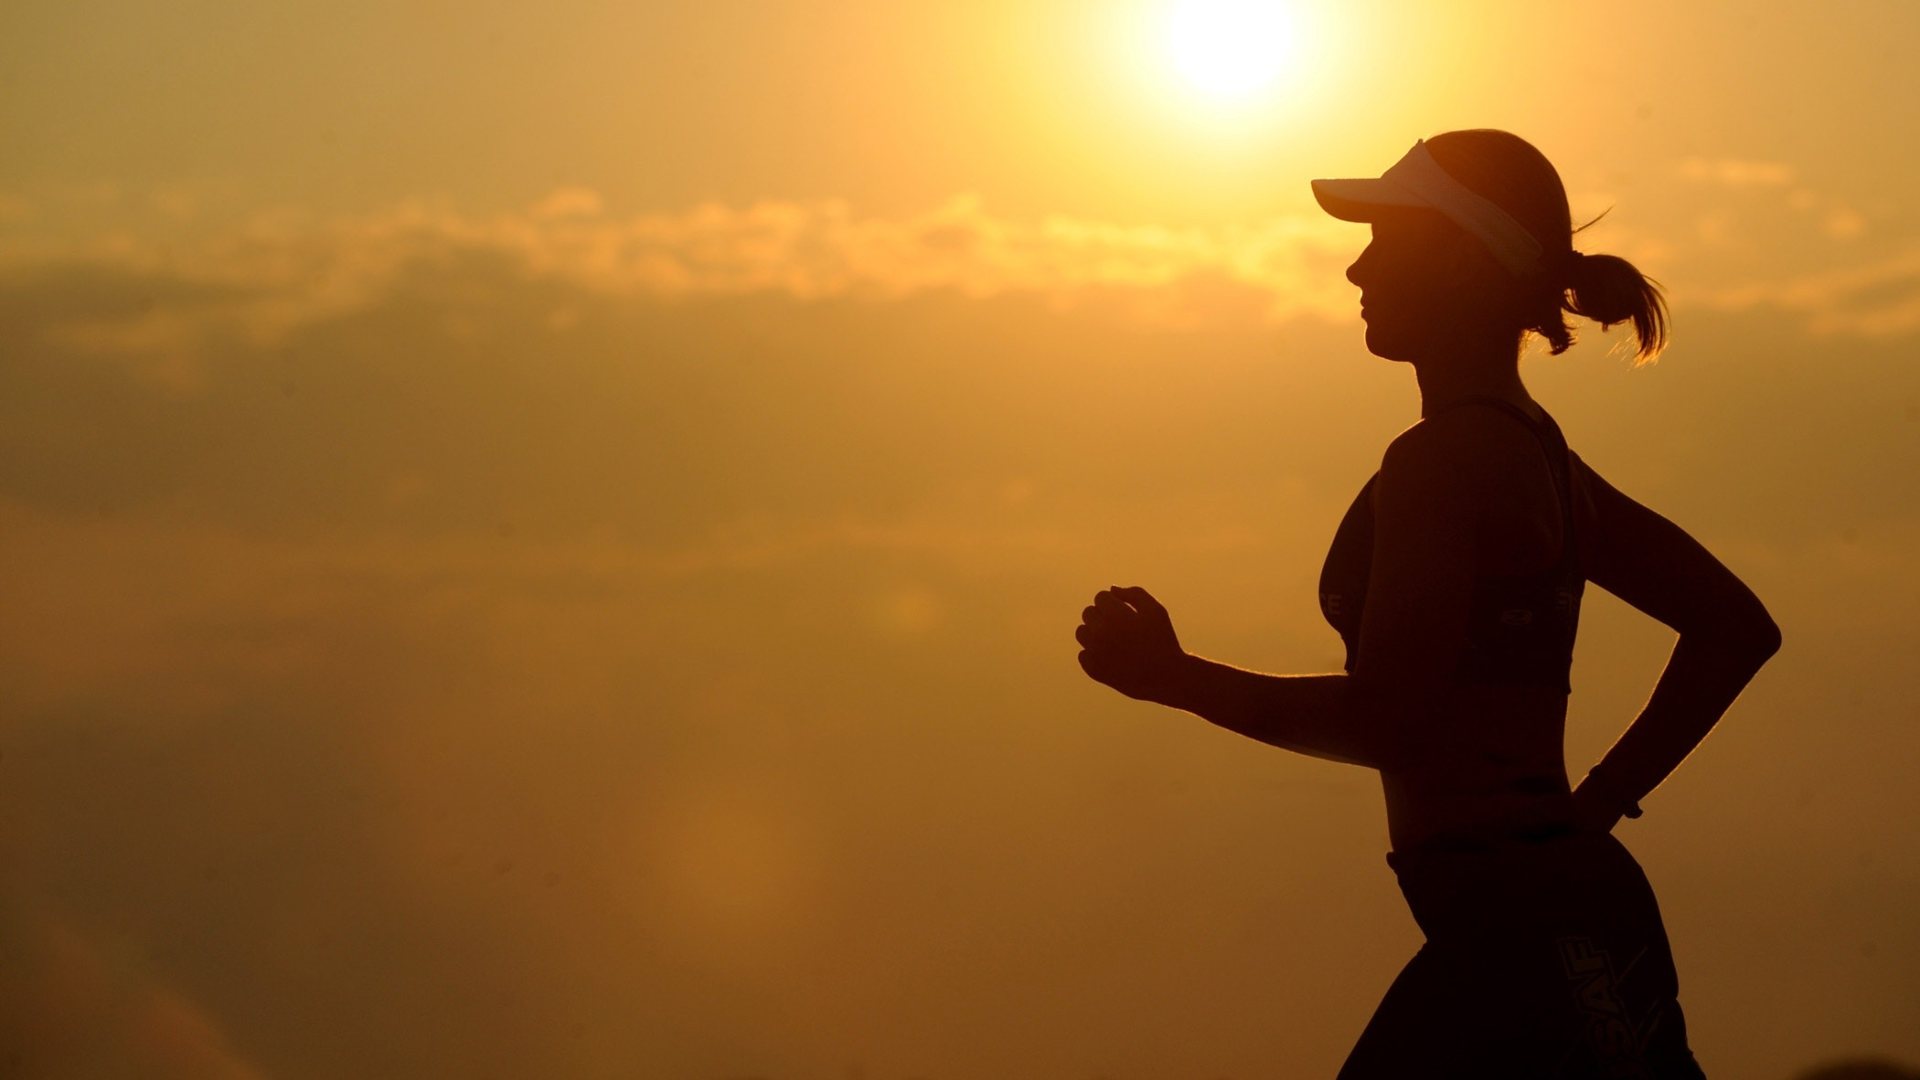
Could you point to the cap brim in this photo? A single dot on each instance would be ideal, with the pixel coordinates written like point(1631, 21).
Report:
point(1361, 200)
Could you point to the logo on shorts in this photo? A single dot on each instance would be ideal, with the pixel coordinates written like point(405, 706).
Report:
point(1596, 989)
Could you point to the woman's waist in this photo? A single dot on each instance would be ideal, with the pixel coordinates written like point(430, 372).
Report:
point(1483, 835)
point(1519, 807)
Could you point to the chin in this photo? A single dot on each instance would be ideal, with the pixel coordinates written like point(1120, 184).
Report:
point(1385, 346)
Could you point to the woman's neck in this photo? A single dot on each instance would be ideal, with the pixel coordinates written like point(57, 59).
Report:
point(1492, 372)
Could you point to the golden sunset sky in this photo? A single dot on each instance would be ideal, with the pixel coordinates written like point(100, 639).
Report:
point(545, 540)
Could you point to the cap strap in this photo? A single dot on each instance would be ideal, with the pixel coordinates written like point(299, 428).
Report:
point(1422, 177)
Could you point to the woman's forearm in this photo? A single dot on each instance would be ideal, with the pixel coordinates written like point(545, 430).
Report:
point(1701, 680)
point(1308, 714)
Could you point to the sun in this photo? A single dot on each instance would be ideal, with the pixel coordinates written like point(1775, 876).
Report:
point(1229, 50)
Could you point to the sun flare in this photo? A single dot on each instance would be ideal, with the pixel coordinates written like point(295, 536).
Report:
point(1229, 50)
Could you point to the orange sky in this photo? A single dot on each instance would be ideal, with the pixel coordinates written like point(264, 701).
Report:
point(547, 543)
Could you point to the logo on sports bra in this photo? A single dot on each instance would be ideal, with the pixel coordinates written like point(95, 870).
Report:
point(1517, 616)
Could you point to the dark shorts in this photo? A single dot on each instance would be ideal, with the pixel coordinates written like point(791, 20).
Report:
point(1544, 958)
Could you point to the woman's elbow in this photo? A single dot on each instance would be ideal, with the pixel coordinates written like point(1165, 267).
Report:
point(1755, 636)
point(1763, 634)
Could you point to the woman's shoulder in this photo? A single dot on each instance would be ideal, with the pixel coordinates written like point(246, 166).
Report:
point(1475, 447)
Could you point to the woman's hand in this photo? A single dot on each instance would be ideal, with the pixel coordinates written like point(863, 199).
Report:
point(1128, 643)
point(1592, 812)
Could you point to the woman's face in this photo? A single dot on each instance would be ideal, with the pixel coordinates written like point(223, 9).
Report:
point(1424, 280)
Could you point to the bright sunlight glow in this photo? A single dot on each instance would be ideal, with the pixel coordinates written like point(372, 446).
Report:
point(1229, 49)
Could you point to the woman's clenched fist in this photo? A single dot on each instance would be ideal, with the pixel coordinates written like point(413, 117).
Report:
point(1127, 642)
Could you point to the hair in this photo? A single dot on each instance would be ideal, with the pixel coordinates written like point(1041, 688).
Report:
point(1509, 171)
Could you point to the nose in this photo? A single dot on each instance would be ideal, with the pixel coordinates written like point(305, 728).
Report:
point(1360, 267)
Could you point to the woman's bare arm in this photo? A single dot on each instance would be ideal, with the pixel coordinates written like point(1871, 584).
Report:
point(1128, 642)
point(1307, 714)
point(1726, 635)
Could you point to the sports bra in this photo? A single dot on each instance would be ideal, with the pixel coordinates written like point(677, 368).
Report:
point(1521, 626)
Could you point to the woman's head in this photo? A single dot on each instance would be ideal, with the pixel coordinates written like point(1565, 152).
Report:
point(1430, 273)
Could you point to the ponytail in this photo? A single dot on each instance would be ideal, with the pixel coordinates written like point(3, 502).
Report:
point(1608, 290)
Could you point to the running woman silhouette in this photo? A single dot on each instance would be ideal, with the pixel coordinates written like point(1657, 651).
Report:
point(1455, 580)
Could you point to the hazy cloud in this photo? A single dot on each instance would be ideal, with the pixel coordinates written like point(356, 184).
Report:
point(288, 268)
point(1878, 299)
point(1734, 172)
point(281, 269)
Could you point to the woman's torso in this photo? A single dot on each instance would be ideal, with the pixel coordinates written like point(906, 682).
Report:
point(1496, 765)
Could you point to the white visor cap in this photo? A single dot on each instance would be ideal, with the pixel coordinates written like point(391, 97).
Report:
point(1417, 180)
